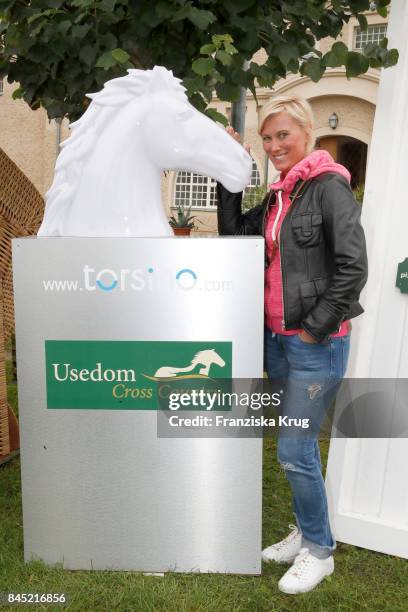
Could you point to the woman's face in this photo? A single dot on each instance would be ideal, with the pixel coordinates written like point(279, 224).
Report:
point(284, 141)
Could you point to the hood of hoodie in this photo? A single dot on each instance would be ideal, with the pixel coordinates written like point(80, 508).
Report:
point(315, 163)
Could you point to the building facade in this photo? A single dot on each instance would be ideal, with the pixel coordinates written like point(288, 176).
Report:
point(343, 109)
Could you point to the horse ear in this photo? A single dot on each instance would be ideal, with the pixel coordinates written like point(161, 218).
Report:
point(159, 78)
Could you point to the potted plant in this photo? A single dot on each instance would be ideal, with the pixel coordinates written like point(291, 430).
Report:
point(182, 222)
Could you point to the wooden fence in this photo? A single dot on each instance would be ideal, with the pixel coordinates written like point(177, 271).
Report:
point(21, 212)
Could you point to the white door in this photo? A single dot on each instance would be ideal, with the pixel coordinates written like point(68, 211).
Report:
point(366, 480)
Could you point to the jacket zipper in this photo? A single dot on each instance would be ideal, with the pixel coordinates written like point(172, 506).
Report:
point(281, 271)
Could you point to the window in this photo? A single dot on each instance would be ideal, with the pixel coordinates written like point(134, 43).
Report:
point(373, 34)
point(199, 191)
point(1, 87)
point(195, 190)
point(255, 178)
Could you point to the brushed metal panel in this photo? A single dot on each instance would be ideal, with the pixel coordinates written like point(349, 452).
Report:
point(100, 490)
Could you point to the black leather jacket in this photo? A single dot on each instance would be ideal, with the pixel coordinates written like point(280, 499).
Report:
point(322, 249)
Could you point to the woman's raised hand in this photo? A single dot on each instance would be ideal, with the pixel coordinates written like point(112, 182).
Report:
point(235, 135)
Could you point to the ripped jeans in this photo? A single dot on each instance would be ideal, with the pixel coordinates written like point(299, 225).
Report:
point(311, 375)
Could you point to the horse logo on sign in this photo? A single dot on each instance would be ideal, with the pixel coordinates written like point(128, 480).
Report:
point(204, 358)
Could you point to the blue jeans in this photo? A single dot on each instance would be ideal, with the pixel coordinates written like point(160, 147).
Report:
point(311, 375)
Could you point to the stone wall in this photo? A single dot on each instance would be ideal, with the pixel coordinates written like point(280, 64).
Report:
point(28, 138)
point(355, 116)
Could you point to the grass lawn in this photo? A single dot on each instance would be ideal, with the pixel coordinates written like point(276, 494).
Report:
point(363, 580)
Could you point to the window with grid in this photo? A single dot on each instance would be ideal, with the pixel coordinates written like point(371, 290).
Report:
point(255, 177)
point(199, 191)
point(373, 34)
point(195, 190)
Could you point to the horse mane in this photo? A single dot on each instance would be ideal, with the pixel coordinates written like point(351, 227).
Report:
point(86, 131)
point(199, 354)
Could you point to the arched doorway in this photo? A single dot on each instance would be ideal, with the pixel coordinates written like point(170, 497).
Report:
point(349, 152)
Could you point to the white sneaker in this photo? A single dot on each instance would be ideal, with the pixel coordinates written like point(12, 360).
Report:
point(306, 573)
point(286, 550)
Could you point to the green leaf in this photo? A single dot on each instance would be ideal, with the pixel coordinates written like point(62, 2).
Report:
point(57, 47)
point(207, 49)
point(293, 7)
point(63, 27)
point(80, 31)
point(375, 63)
point(293, 66)
point(106, 5)
point(203, 65)
point(39, 15)
point(227, 91)
point(223, 57)
point(237, 6)
point(359, 5)
point(105, 61)
point(216, 116)
point(337, 56)
point(313, 68)
point(88, 54)
point(392, 58)
point(198, 102)
point(83, 4)
point(221, 39)
point(193, 84)
point(356, 64)
point(108, 40)
point(207, 92)
point(230, 48)
point(287, 52)
point(17, 93)
point(120, 56)
point(263, 74)
point(164, 10)
point(370, 50)
point(313, 12)
point(56, 4)
point(382, 10)
point(362, 20)
point(55, 108)
point(200, 18)
point(340, 50)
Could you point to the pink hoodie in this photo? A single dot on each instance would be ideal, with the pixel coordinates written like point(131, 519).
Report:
point(314, 164)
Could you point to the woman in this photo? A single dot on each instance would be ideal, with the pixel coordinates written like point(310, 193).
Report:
point(316, 267)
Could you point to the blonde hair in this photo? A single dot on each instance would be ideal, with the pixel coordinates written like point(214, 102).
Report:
point(298, 108)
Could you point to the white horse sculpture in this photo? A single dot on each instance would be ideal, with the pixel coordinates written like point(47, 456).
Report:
point(108, 174)
point(205, 358)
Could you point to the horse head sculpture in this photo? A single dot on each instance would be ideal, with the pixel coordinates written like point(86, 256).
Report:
point(108, 175)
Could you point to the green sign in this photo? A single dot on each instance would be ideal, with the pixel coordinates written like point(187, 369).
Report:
point(402, 276)
point(128, 375)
